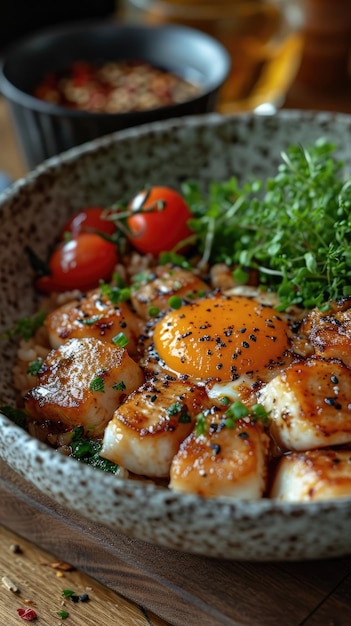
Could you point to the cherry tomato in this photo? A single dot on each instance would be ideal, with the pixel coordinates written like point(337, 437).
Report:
point(80, 264)
point(89, 220)
point(160, 230)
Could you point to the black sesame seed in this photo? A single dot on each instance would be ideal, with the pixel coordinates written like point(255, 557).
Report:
point(332, 402)
point(216, 448)
point(84, 597)
point(74, 598)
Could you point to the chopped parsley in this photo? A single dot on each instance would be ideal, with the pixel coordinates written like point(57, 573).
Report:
point(115, 294)
point(16, 416)
point(119, 386)
point(88, 451)
point(200, 424)
point(179, 409)
point(26, 327)
point(34, 367)
point(97, 384)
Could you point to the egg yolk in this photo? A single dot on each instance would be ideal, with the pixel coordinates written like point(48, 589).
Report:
point(220, 337)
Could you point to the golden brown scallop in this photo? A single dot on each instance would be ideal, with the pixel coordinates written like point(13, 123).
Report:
point(81, 384)
point(93, 315)
point(310, 404)
point(147, 429)
point(222, 461)
point(153, 292)
point(313, 475)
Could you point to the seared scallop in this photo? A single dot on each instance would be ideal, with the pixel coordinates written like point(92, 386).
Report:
point(93, 315)
point(310, 404)
point(313, 475)
point(81, 384)
point(147, 429)
point(222, 461)
point(330, 332)
point(151, 293)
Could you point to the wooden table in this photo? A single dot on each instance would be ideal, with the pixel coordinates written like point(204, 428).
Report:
point(131, 583)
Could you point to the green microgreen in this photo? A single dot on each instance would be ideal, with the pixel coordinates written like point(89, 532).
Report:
point(294, 229)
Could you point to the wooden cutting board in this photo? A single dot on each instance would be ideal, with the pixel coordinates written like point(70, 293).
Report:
point(178, 587)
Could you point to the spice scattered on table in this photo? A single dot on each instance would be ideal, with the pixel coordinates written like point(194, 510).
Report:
point(63, 614)
point(74, 597)
point(9, 584)
point(15, 548)
point(27, 614)
point(114, 87)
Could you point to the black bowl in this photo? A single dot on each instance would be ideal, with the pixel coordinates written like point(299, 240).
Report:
point(46, 129)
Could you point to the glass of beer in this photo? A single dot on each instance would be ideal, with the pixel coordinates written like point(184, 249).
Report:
point(263, 37)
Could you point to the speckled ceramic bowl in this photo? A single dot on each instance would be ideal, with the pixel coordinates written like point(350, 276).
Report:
point(207, 147)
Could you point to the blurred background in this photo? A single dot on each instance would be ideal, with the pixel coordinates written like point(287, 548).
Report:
point(284, 53)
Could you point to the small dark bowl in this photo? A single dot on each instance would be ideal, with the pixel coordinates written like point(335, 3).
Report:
point(45, 129)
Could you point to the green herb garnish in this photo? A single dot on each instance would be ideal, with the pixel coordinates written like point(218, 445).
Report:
point(26, 327)
point(16, 416)
point(97, 384)
point(67, 593)
point(119, 386)
point(34, 367)
point(62, 614)
point(120, 340)
point(88, 451)
point(179, 409)
point(294, 229)
point(175, 302)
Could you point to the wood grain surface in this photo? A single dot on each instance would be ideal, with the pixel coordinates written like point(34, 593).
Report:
point(32, 578)
point(179, 588)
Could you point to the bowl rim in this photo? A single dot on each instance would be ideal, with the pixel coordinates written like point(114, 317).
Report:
point(17, 96)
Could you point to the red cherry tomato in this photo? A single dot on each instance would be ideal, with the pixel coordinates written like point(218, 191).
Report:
point(89, 220)
point(159, 230)
point(80, 264)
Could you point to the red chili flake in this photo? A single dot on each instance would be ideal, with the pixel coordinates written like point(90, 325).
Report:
point(28, 614)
